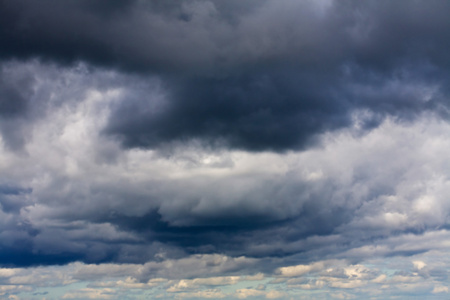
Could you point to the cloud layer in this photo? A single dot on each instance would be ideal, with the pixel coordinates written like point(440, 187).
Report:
point(274, 139)
point(255, 76)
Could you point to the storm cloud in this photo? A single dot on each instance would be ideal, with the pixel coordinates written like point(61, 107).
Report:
point(187, 148)
point(260, 77)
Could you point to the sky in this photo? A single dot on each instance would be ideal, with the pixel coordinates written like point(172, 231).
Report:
point(224, 149)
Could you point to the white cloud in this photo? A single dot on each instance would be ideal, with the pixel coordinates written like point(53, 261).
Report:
point(299, 270)
point(208, 294)
point(440, 289)
point(89, 293)
point(245, 293)
point(419, 265)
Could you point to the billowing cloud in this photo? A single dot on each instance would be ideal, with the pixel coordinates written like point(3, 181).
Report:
point(212, 149)
point(81, 196)
point(255, 76)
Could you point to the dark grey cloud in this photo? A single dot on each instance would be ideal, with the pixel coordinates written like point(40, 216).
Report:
point(255, 76)
point(15, 94)
point(160, 35)
point(12, 197)
point(142, 131)
point(276, 109)
point(257, 111)
point(128, 34)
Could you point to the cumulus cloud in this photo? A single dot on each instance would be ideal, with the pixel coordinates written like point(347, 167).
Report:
point(224, 149)
point(378, 278)
point(79, 195)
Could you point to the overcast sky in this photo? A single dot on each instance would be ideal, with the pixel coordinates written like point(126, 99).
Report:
point(224, 149)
